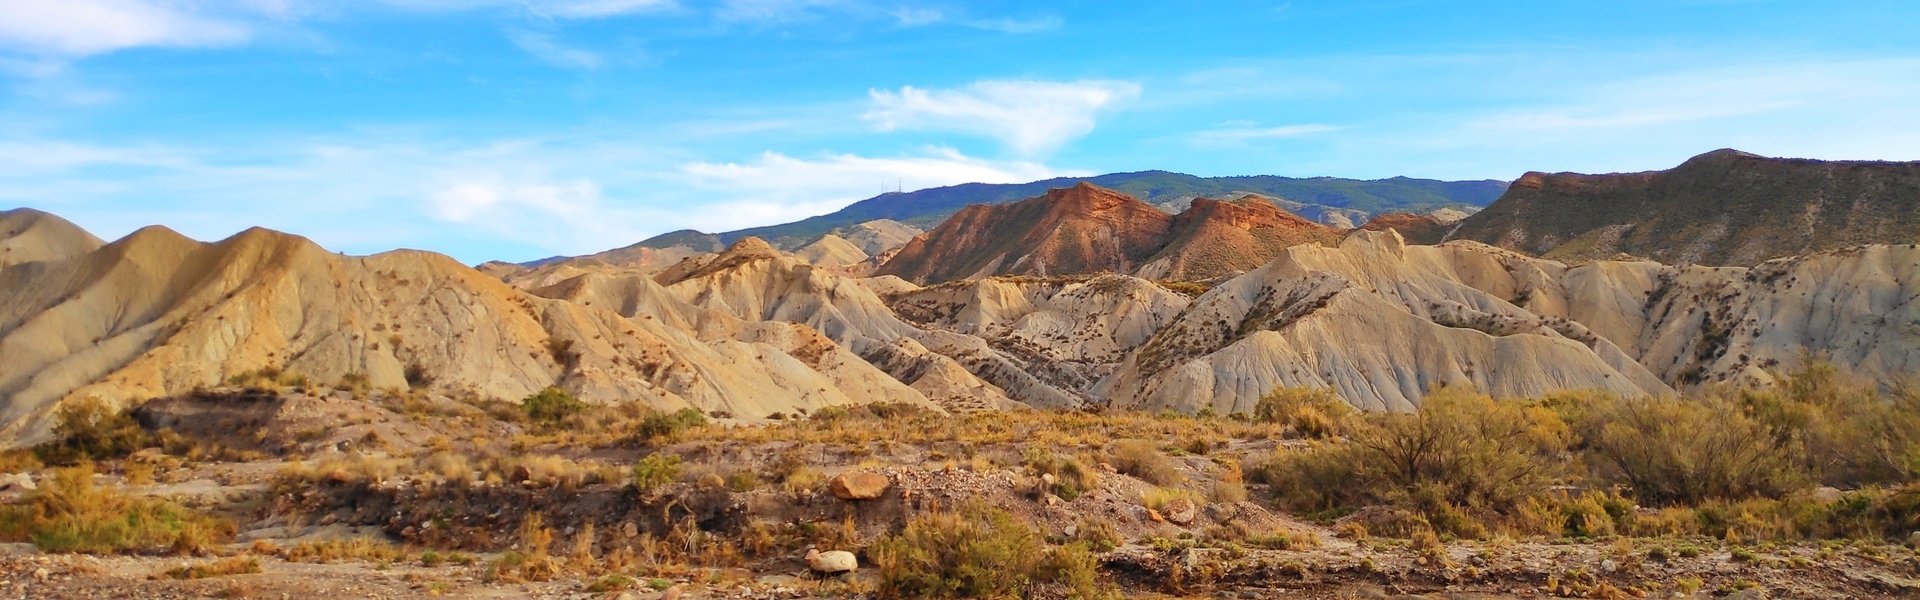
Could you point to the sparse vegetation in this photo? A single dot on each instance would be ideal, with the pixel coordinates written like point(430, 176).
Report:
point(70, 514)
point(976, 552)
point(655, 470)
point(89, 429)
point(1141, 459)
point(550, 405)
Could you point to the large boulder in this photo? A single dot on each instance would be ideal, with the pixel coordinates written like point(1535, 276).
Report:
point(832, 561)
point(1182, 511)
point(858, 485)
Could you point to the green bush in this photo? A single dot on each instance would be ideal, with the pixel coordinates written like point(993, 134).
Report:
point(69, 514)
point(551, 405)
point(88, 429)
point(655, 470)
point(668, 425)
point(975, 552)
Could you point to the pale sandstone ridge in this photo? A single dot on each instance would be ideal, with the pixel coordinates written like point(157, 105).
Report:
point(879, 236)
point(28, 235)
point(156, 314)
point(831, 251)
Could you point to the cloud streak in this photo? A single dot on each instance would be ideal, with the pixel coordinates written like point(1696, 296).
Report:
point(78, 28)
point(1032, 118)
point(543, 47)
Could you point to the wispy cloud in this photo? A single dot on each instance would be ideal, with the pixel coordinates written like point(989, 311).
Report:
point(543, 47)
point(76, 28)
point(559, 9)
point(515, 198)
point(1040, 24)
point(775, 187)
point(1031, 117)
point(907, 16)
point(773, 10)
point(1242, 132)
point(593, 9)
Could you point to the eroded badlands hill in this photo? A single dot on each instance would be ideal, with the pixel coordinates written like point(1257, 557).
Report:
point(1082, 229)
point(156, 314)
point(1088, 229)
point(753, 331)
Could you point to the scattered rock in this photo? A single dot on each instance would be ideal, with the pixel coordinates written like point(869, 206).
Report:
point(858, 485)
point(831, 561)
point(1182, 511)
point(17, 482)
point(1913, 539)
point(1827, 495)
point(522, 474)
point(1608, 566)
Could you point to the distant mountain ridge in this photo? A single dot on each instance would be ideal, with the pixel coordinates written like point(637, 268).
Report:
point(1724, 207)
point(1170, 191)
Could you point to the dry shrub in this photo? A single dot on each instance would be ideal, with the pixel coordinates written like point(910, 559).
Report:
point(1462, 459)
point(237, 565)
point(1158, 498)
point(1141, 459)
point(357, 548)
point(531, 559)
point(89, 429)
point(69, 514)
point(1685, 451)
point(977, 551)
point(1228, 492)
point(1071, 476)
point(1313, 412)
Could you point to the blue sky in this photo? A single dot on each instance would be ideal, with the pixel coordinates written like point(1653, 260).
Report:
point(518, 129)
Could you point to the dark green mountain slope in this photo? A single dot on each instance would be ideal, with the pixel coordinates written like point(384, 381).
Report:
point(1724, 207)
point(927, 208)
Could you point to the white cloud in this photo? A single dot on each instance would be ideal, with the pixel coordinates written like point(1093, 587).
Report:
point(770, 10)
point(1031, 117)
point(1039, 24)
point(776, 188)
point(1244, 132)
point(915, 17)
point(592, 9)
point(516, 199)
point(74, 28)
point(543, 47)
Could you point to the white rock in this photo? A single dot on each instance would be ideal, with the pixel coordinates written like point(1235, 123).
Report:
point(832, 561)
